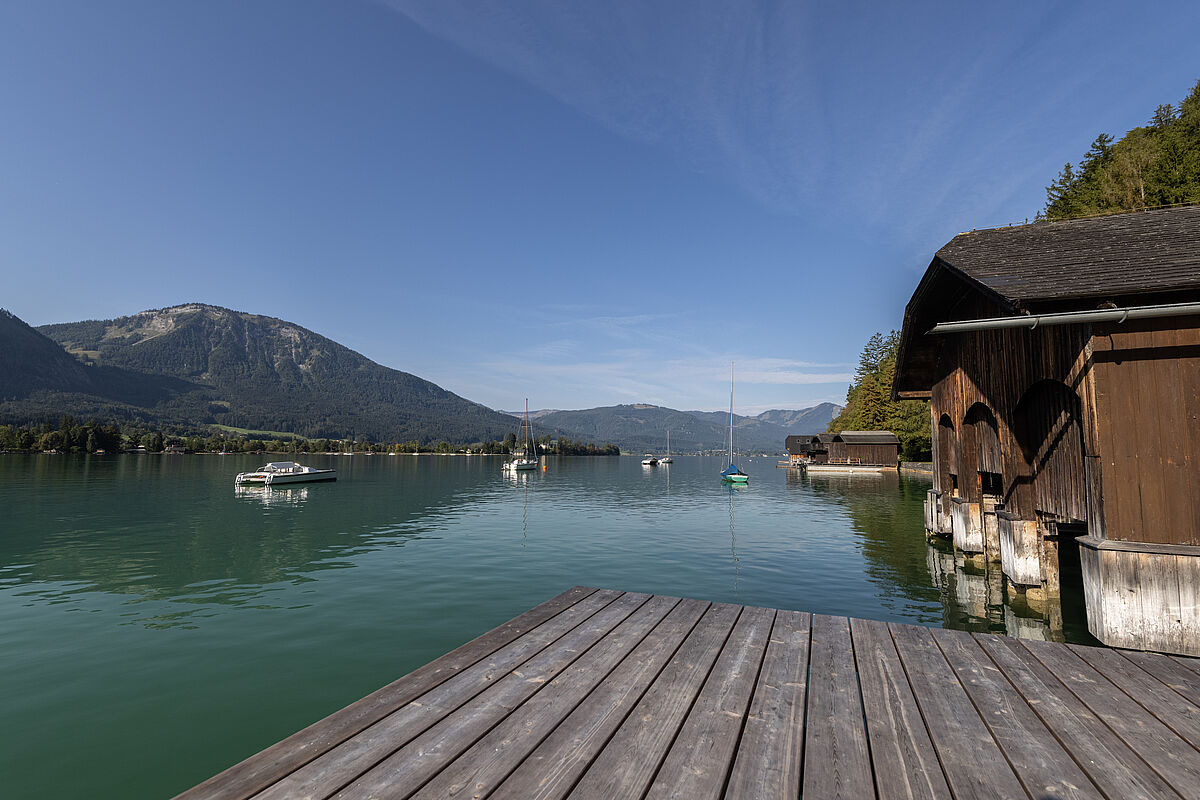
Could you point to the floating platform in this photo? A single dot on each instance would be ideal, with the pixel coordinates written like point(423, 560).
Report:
point(606, 694)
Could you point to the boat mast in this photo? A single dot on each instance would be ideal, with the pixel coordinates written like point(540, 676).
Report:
point(730, 412)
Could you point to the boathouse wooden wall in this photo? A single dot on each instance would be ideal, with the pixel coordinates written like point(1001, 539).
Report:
point(1020, 400)
point(1147, 378)
point(875, 455)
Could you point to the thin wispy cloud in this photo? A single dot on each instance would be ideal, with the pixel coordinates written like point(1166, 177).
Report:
point(773, 97)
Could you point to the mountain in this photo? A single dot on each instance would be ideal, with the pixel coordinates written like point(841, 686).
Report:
point(197, 365)
point(805, 421)
point(643, 428)
point(31, 362)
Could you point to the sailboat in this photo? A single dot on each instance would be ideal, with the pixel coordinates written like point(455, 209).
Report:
point(528, 459)
point(667, 458)
point(732, 473)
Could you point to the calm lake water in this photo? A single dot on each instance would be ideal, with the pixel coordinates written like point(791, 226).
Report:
point(158, 625)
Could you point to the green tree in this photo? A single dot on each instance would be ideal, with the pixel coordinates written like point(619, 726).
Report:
point(869, 406)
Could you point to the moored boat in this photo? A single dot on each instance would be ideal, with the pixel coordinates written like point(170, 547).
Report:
point(733, 473)
point(279, 472)
point(524, 461)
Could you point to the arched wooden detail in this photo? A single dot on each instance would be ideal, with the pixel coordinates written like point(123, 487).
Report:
point(1048, 428)
point(985, 435)
point(946, 458)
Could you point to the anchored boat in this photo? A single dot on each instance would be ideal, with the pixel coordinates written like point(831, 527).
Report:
point(528, 458)
point(279, 472)
point(733, 473)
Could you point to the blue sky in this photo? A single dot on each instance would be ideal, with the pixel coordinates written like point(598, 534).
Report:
point(580, 203)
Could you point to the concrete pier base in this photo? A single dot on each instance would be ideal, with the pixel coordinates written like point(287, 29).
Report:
point(966, 526)
point(1020, 549)
point(1142, 596)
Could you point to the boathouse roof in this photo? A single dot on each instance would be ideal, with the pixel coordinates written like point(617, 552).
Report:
point(798, 445)
point(1122, 259)
point(1114, 256)
point(868, 437)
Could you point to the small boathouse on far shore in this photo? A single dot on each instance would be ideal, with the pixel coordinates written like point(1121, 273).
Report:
point(1061, 362)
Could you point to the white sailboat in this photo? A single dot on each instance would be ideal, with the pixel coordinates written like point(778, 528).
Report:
point(732, 473)
point(667, 458)
point(528, 458)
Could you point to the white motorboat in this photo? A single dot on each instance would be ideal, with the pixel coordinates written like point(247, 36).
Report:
point(280, 472)
point(649, 461)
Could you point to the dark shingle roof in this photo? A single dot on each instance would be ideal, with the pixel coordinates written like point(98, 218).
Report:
point(1122, 254)
point(869, 437)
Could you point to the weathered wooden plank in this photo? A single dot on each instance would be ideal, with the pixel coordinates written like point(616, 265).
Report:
point(1162, 701)
point(1040, 762)
point(255, 773)
point(973, 763)
point(406, 770)
point(1172, 758)
point(837, 762)
point(1100, 752)
point(489, 761)
point(769, 761)
point(1169, 672)
point(699, 761)
point(627, 765)
point(902, 755)
point(551, 770)
point(342, 764)
point(1192, 664)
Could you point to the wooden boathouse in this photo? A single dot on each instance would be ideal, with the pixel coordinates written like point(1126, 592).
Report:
point(799, 448)
point(1061, 362)
point(599, 694)
point(865, 448)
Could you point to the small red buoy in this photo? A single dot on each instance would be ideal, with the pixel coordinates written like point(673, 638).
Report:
point(543, 467)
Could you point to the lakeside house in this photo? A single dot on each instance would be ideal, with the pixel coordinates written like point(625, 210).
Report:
point(865, 448)
point(1061, 362)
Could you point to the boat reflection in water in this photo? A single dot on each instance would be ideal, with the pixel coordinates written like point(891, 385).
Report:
point(272, 496)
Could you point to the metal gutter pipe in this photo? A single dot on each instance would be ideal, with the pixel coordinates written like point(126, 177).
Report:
point(1069, 318)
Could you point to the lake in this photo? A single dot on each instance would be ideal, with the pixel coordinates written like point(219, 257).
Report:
point(158, 625)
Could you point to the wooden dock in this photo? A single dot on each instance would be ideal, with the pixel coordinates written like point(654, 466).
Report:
point(605, 694)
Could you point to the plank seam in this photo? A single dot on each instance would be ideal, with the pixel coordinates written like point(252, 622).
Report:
point(327, 792)
point(862, 705)
point(692, 705)
point(515, 709)
point(924, 720)
point(258, 786)
point(599, 683)
point(1061, 742)
point(746, 708)
point(1155, 679)
point(1098, 717)
point(999, 746)
point(633, 704)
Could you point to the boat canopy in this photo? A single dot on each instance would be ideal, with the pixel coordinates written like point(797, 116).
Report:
point(280, 465)
point(732, 469)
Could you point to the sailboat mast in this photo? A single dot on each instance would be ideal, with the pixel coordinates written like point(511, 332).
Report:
point(730, 412)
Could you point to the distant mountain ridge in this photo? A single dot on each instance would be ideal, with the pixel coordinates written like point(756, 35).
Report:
point(643, 428)
point(195, 365)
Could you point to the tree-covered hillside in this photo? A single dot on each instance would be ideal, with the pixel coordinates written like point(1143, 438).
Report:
point(196, 366)
point(1151, 166)
point(869, 404)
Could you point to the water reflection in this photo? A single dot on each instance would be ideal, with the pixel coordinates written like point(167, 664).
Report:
point(737, 567)
point(973, 593)
point(272, 496)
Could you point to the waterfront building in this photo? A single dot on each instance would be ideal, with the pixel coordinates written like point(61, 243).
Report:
point(1061, 362)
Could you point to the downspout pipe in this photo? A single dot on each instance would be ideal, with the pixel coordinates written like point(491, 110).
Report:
point(1069, 318)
